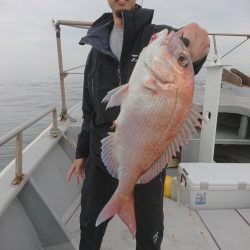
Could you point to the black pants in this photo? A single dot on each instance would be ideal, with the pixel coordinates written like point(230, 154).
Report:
point(98, 189)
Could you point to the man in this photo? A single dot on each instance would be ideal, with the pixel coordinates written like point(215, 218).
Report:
point(117, 39)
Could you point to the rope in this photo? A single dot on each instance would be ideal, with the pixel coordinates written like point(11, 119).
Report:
point(64, 115)
point(235, 47)
point(70, 118)
point(69, 141)
point(82, 66)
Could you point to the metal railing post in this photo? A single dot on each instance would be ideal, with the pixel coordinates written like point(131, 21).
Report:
point(18, 134)
point(210, 111)
point(215, 49)
point(243, 127)
point(63, 73)
point(54, 130)
point(19, 170)
point(63, 114)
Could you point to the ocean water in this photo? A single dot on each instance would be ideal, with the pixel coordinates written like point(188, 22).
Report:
point(21, 101)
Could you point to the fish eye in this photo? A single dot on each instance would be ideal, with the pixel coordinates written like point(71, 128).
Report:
point(182, 60)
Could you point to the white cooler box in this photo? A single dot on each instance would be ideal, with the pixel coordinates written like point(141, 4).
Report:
point(214, 185)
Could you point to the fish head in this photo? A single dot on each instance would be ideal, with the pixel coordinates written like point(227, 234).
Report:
point(169, 61)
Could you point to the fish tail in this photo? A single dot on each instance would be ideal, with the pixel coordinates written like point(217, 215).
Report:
point(123, 206)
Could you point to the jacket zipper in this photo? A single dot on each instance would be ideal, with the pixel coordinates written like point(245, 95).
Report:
point(92, 88)
point(119, 75)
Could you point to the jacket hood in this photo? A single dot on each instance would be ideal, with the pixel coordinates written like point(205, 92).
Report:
point(98, 34)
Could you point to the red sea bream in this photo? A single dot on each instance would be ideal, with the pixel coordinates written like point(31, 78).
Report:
point(157, 117)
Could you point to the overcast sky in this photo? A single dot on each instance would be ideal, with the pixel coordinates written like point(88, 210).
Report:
point(28, 45)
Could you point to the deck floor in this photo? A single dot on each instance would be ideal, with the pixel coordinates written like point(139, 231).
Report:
point(185, 229)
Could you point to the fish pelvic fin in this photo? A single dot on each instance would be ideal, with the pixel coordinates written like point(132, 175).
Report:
point(107, 155)
point(115, 96)
point(123, 206)
point(185, 132)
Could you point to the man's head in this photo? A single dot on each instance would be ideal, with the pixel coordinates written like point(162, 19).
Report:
point(118, 6)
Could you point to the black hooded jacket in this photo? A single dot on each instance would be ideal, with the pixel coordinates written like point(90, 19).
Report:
point(104, 72)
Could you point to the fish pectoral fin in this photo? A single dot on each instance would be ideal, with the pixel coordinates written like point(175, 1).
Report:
point(115, 96)
point(108, 156)
point(183, 135)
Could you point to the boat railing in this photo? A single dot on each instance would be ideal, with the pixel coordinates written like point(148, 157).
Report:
point(86, 25)
point(212, 92)
point(214, 35)
point(209, 110)
point(212, 99)
point(63, 73)
point(18, 134)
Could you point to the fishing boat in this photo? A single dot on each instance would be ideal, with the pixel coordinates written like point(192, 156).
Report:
point(39, 210)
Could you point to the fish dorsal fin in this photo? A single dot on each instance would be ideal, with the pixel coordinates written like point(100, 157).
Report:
point(108, 156)
point(184, 134)
point(115, 96)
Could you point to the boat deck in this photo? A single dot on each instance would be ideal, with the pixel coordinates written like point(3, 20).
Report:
point(185, 229)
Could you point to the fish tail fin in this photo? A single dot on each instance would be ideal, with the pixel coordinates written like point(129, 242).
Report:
point(124, 207)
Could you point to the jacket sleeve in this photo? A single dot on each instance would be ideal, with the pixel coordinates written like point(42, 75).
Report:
point(82, 149)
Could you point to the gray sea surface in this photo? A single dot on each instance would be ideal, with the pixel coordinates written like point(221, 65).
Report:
point(23, 100)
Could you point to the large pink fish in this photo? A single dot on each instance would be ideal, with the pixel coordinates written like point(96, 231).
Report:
point(156, 118)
